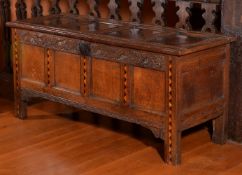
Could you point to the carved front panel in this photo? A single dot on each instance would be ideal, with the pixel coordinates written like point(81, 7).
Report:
point(149, 90)
point(67, 71)
point(106, 80)
point(33, 59)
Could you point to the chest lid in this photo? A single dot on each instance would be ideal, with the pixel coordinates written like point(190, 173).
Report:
point(123, 34)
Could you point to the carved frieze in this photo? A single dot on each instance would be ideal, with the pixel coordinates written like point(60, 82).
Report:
point(122, 55)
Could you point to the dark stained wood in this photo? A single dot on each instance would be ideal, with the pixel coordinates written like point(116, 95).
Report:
point(21, 12)
point(5, 63)
point(55, 8)
point(167, 82)
point(232, 25)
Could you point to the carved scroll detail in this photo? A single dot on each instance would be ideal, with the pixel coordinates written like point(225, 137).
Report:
point(21, 12)
point(73, 9)
point(114, 6)
point(135, 9)
point(55, 9)
point(158, 8)
point(93, 5)
point(209, 16)
point(184, 14)
point(37, 9)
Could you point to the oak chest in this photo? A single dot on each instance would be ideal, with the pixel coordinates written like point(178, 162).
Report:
point(164, 79)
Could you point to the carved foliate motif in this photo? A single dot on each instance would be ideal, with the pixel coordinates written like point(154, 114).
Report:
point(209, 16)
point(55, 8)
point(135, 7)
point(121, 55)
point(114, 6)
point(37, 9)
point(93, 6)
point(21, 12)
point(73, 9)
point(158, 8)
point(184, 14)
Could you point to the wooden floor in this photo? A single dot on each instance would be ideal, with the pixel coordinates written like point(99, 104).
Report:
point(51, 142)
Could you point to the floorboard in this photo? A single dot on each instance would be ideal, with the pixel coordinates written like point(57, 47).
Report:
point(52, 142)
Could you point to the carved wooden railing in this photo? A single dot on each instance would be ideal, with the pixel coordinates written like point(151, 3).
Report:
point(184, 10)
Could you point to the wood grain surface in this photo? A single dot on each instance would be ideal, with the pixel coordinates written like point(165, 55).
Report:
point(50, 142)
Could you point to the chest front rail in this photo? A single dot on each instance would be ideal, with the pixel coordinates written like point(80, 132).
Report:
point(164, 93)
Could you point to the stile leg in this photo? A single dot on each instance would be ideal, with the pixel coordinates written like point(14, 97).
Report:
point(20, 107)
point(219, 135)
point(172, 148)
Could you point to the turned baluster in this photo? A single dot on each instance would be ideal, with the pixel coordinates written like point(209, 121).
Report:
point(135, 7)
point(21, 12)
point(209, 16)
point(184, 13)
point(158, 8)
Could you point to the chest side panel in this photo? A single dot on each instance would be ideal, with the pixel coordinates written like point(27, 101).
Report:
point(201, 85)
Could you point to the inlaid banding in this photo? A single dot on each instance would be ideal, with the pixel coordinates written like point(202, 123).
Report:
point(48, 68)
point(170, 98)
point(85, 76)
point(125, 84)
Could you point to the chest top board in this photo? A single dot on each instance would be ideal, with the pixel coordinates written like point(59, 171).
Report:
point(167, 80)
